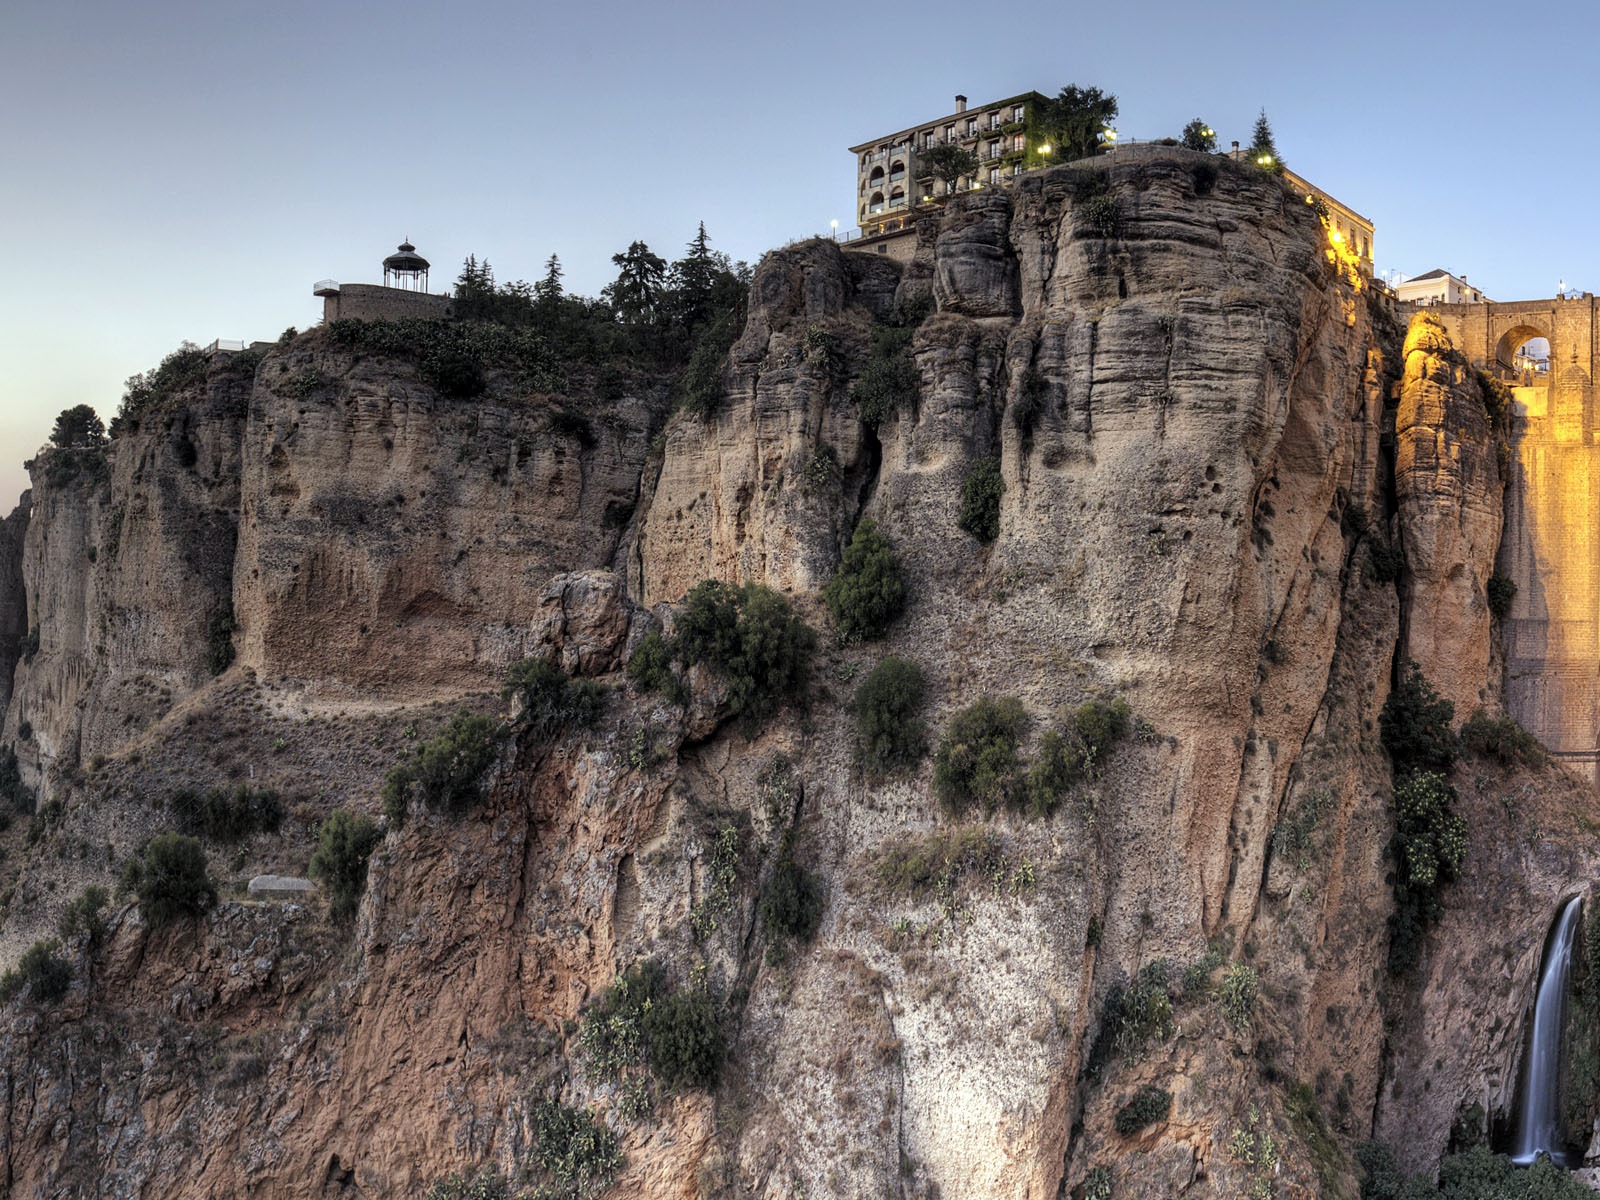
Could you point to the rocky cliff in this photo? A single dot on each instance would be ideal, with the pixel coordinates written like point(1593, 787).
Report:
point(1236, 495)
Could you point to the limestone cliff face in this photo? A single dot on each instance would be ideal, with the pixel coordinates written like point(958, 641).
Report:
point(13, 596)
point(397, 542)
point(1186, 392)
point(1451, 493)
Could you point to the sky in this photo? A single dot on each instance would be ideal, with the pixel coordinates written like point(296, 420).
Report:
point(176, 171)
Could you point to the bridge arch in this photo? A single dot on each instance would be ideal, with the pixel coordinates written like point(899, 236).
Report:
point(1515, 338)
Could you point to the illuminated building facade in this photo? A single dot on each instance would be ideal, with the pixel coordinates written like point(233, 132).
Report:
point(1439, 287)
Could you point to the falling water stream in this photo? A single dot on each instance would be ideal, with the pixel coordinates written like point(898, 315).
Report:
point(1539, 1129)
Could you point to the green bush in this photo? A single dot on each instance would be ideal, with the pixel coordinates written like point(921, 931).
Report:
point(889, 382)
point(1415, 726)
point(643, 1018)
point(1474, 1174)
point(445, 773)
point(551, 701)
point(867, 594)
point(1147, 1106)
point(981, 489)
point(651, 668)
point(791, 907)
point(976, 761)
point(684, 1040)
point(1240, 985)
point(612, 1032)
point(85, 915)
point(577, 1152)
point(1501, 739)
point(1133, 1015)
point(1429, 846)
point(153, 389)
point(455, 355)
point(345, 842)
point(752, 637)
point(1388, 560)
point(1074, 752)
point(1501, 591)
point(937, 863)
point(1097, 1184)
point(226, 815)
point(487, 1184)
point(1103, 214)
point(219, 641)
point(891, 734)
point(170, 880)
point(702, 383)
point(14, 794)
point(45, 974)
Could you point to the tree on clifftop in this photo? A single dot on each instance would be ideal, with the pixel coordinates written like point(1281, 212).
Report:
point(1197, 135)
point(78, 426)
point(637, 292)
point(1263, 150)
point(948, 162)
point(1075, 123)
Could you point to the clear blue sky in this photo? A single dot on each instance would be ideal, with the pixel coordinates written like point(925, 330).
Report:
point(180, 170)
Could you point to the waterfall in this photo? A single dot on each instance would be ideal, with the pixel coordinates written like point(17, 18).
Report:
point(1539, 1130)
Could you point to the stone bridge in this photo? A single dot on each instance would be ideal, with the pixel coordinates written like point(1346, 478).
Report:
point(1551, 545)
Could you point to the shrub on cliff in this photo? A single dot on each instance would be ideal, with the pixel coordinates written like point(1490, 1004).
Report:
point(78, 427)
point(577, 1152)
point(1074, 752)
point(753, 639)
point(642, 1018)
point(85, 916)
point(226, 814)
point(1501, 739)
point(14, 794)
point(867, 593)
point(890, 732)
point(45, 974)
point(345, 842)
point(1500, 592)
point(170, 880)
point(1415, 726)
point(791, 906)
point(219, 640)
point(1145, 1107)
point(153, 389)
point(700, 389)
point(976, 762)
point(981, 489)
point(445, 773)
point(889, 381)
point(550, 701)
point(651, 668)
point(486, 1184)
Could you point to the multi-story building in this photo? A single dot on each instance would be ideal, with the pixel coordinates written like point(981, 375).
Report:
point(1345, 224)
point(1438, 287)
point(891, 182)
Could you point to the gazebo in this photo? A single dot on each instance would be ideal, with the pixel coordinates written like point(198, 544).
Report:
point(406, 269)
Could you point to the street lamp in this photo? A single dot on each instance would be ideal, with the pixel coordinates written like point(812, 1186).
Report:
point(835, 224)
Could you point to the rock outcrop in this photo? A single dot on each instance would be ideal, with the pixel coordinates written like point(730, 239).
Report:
point(1186, 394)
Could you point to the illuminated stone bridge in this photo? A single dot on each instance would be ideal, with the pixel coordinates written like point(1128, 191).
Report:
point(1551, 545)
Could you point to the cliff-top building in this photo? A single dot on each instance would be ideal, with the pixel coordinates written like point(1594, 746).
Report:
point(891, 181)
point(1438, 287)
point(402, 294)
point(889, 178)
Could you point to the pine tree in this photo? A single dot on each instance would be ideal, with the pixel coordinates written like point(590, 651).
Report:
point(548, 290)
point(1263, 150)
point(1197, 135)
point(637, 292)
point(694, 279)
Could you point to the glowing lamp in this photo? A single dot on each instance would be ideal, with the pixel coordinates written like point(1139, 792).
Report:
point(1045, 149)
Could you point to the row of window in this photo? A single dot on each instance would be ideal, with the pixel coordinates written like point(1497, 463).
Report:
point(897, 197)
point(969, 128)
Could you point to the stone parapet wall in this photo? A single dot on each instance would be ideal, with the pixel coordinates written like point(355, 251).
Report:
point(373, 302)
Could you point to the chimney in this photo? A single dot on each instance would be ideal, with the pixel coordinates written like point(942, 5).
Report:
point(961, 104)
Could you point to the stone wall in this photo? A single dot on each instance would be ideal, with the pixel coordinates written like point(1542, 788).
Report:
point(373, 302)
point(1551, 547)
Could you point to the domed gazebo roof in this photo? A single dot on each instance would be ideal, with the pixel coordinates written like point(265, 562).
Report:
point(405, 258)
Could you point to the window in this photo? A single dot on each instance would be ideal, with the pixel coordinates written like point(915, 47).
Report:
point(1016, 112)
point(949, 133)
point(1019, 143)
point(897, 198)
point(994, 174)
point(972, 126)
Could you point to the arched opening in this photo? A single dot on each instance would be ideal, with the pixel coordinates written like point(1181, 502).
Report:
point(1523, 356)
point(897, 171)
point(876, 178)
point(875, 205)
point(897, 198)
